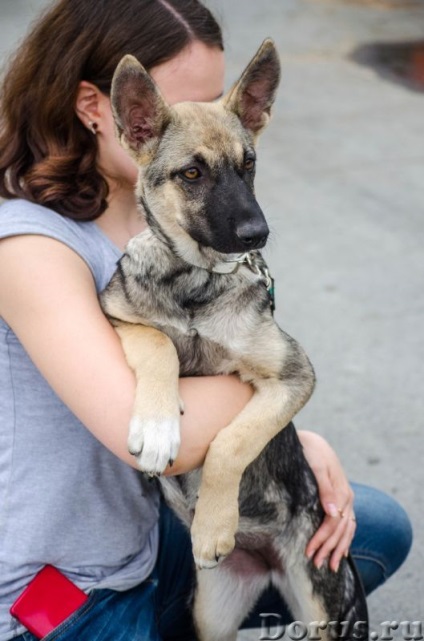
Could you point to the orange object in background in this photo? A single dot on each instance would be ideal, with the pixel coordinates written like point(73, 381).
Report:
point(401, 62)
point(417, 65)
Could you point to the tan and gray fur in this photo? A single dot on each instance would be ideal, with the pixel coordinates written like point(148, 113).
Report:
point(184, 306)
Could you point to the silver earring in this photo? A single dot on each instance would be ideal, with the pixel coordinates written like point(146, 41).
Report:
point(93, 127)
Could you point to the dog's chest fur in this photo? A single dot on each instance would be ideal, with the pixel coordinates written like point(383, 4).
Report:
point(213, 319)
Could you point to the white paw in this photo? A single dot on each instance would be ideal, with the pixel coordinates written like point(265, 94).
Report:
point(154, 443)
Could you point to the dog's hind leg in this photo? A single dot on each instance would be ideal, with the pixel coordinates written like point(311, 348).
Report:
point(326, 604)
point(224, 597)
point(306, 605)
point(283, 491)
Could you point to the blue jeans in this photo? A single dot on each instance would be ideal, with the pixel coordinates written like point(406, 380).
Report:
point(159, 610)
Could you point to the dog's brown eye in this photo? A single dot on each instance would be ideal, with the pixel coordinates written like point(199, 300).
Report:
point(192, 173)
point(249, 164)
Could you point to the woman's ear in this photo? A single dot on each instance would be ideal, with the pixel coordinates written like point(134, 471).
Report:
point(87, 106)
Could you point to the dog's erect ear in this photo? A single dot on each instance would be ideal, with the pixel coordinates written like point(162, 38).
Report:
point(252, 97)
point(140, 112)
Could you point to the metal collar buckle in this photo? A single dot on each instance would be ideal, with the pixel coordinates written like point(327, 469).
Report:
point(263, 272)
point(249, 259)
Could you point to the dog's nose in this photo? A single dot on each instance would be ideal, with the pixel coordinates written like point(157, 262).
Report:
point(252, 234)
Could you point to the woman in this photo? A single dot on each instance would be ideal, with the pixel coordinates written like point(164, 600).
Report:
point(70, 494)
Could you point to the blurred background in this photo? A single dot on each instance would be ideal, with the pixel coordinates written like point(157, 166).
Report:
point(341, 181)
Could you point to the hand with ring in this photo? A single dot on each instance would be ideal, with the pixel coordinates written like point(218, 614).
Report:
point(333, 538)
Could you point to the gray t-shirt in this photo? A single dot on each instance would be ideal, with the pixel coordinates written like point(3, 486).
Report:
point(65, 499)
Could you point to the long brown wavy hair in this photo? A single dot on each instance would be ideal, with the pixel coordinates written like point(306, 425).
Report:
point(46, 154)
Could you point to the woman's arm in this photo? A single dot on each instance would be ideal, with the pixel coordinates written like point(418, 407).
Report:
point(48, 297)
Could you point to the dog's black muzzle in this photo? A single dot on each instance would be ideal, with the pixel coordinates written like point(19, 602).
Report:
point(247, 228)
point(235, 222)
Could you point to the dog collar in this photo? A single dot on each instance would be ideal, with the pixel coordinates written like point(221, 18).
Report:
point(249, 259)
point(230, 266)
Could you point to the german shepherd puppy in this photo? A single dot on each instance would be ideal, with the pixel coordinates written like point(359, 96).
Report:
point(192, 296)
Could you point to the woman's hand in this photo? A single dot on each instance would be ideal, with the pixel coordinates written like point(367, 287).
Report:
point(332, 540)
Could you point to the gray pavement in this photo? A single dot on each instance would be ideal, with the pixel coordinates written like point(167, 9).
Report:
point(341, 179)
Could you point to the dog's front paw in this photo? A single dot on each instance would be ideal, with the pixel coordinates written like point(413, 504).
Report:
point(213, 535)
point(154, 443)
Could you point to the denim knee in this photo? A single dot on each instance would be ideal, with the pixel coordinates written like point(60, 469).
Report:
point(383, 537)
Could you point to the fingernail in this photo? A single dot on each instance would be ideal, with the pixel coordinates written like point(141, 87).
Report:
point(319, 564)
point(310, 554)
point(332, 509)
point(336, 569)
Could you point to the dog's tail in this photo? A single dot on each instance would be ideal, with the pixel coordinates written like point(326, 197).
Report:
point(181, 493)
point(355, 614)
